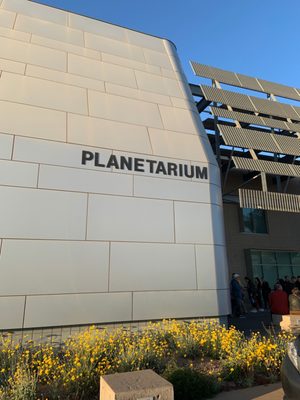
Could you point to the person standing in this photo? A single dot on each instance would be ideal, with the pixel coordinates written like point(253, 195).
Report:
point(251, 290)
point(259, 299)
point(288, 286)
point(266, 290)
point(278, 299)
point(236, 292)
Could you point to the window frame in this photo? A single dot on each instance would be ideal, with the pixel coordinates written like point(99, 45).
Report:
point(242, 225)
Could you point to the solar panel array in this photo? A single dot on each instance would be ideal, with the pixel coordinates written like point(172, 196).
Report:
point(269, 167)
point(262, 125)
point(250, 103)
point(244, 81)
point(263, 141)
point(254, 119)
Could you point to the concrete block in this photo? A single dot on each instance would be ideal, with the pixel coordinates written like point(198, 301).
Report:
point(99, 70)
point(74, 309)
point(178, 120)
point(42, 93)
point(193, 223)
point(7, 18)
point(158, 84)
point(126, 62)
point(168, 73)
point(11, 311)
point(65, 78)
point(180, 304)
point(53, 153)
point(108, 134)
point(6, 146)
point(152, 266)
point(137, 94)
point(29, 53)
point(122, 109)
point(79, 180)
point(171, 189)
point(290, 322)
point(12, 66)
point(213, 259)
point(218, 224)
point(139, 220)
point(42, 214)
point(36, 10)
point(145, 41)
point(115, 47)
point(183, 103)
point(157, 58)
point(32, 121)
point(53, 267)
point(97, 27)
point(12, 34)
point(68, 47)
point(48, 29)
point(215, 195)
point(14, 173)
point(137, 385)
point(177, 145)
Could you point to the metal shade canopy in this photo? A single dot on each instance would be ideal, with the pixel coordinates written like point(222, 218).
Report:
point(267, 128)
point(244, 81)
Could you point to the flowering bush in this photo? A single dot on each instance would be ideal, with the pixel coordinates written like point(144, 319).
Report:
point(72, 371)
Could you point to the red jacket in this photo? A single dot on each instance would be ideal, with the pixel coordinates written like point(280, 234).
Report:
point(279, 302)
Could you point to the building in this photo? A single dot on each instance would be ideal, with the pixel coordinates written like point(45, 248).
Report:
point(111, 206)
point(258, 153)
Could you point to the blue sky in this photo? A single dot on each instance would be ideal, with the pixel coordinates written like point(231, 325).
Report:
point(255, 37)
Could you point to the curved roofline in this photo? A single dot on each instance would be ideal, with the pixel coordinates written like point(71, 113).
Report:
point(106, 22)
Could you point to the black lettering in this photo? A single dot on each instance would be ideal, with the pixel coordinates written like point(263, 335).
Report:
point(186, 171)
point(112, 162)
point(172, 168)
point(180, 170)
point(139, 165)
point(201, 172)
point(97, 159)
point(86, 156)
point(126, 162)
point(151, 165)
point(161, 168)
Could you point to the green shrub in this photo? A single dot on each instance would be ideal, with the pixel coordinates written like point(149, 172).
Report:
point(192, 385)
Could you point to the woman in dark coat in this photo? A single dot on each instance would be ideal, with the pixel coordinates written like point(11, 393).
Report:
point(266, 290)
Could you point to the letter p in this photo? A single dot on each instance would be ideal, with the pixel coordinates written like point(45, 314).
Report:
point(86, 156)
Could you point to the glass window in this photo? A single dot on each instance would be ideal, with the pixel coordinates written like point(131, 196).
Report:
point(270, 274)
point(255, 257)
point(295, 258)
point(285, 270)
point(257, 271)
point(268, 257)
point(283, 257)
point(296, 270)
point(274, 264)
point(254, 220)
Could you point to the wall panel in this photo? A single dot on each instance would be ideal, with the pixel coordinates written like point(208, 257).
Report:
point(129, 232)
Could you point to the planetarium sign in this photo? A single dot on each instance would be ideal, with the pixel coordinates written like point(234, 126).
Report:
point(144, 165)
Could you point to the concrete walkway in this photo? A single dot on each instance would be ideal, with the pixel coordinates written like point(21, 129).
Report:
point(254, 322)
point(268, 392)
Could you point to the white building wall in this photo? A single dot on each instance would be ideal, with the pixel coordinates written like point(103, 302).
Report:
point(82, 244)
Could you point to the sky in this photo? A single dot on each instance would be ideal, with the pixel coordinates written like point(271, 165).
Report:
point(254, 37)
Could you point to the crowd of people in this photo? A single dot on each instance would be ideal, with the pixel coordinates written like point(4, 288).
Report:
point(260, 295)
